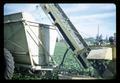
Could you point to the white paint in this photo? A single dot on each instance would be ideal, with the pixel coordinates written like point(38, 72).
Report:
point(34, 32)
point(53, 37)
point(104, 53)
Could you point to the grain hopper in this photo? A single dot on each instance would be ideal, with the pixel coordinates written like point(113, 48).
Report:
point(30, 43)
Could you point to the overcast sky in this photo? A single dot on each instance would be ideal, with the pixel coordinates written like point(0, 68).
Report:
point(85, 17)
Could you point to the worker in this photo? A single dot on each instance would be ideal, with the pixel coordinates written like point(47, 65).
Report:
point(111, 40)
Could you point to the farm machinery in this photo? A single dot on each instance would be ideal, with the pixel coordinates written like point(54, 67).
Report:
point(30, 44)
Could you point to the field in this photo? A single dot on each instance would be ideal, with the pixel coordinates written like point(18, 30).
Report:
point(70, 65)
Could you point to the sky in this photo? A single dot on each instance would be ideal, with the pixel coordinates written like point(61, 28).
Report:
point(85, 17)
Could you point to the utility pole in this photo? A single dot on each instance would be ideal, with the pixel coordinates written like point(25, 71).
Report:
point(98, 30)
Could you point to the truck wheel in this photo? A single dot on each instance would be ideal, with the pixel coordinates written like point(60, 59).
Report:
point(9, 64)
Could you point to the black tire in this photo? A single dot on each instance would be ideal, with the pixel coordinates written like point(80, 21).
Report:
point(9, 64)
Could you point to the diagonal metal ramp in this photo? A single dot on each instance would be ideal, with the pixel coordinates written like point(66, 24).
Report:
point(69, 32)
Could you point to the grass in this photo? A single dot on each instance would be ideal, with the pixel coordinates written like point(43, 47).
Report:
point(69, 63)
point(70, 66)
point(25, 75)
point(36, 76)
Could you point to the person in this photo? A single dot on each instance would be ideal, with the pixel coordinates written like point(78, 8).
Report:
point(111, 40)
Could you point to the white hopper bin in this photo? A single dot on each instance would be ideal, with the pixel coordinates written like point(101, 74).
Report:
point(27, 40)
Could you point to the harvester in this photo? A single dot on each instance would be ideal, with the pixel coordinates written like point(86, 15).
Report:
point(30, 44)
